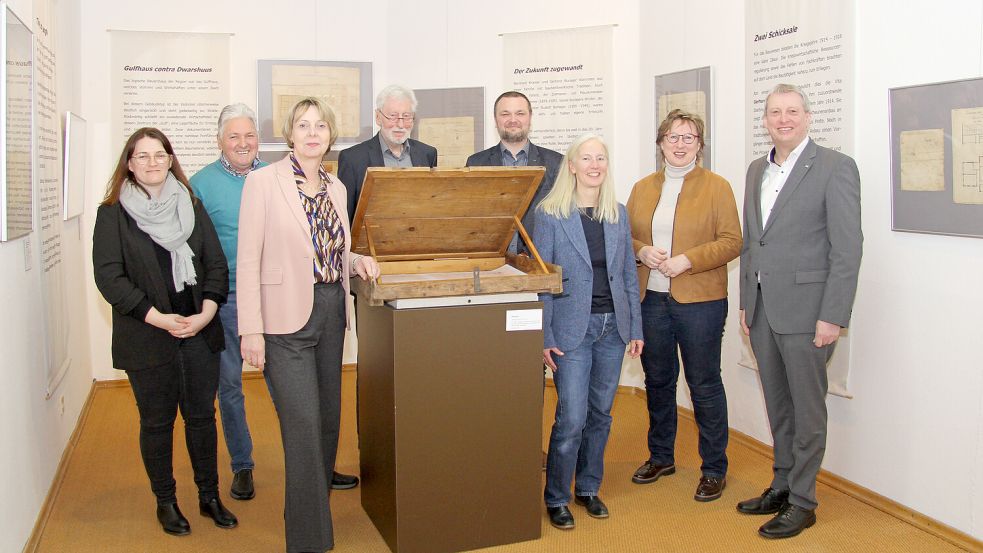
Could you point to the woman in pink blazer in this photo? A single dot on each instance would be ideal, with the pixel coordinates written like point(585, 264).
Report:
point(293, 268)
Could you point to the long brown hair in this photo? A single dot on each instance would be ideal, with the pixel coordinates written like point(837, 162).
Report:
point(123, 174)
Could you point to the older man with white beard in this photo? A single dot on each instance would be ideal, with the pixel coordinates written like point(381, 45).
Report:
point(391, 147)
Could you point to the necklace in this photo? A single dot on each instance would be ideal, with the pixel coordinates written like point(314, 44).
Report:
point(588, 212)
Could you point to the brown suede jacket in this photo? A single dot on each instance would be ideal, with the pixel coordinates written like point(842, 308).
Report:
point(706, 228)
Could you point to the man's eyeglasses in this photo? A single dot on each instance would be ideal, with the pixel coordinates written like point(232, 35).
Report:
point(393, 117)
point(687, 138)
point(144, 158)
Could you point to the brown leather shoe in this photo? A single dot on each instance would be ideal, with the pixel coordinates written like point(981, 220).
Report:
point(710, 488)
point(650, 472)
point(790, 521)
point(770, 502)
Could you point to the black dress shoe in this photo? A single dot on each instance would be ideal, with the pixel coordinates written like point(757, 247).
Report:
point(770, 502)
point(242, 485)
point(595, 507)
point(561, 517)
point(650, 472)
point(710, 488)
point(172, 521)
point(341, 481)
point(214, 510)
point(790, 521)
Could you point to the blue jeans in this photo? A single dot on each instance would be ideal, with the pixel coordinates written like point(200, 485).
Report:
point(231, 401)
point(697, 329)
point(586, 380)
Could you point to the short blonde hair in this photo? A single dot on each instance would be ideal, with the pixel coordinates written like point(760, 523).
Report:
point(323, 111)
point(562, 199)
point(670, 120)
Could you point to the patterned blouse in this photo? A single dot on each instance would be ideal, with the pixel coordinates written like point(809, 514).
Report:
point(327, 234)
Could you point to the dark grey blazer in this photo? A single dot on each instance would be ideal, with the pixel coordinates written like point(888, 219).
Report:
point(127, 272)
point(808, 255)
point(566, 316)
point(538, 157)
point(352, 163)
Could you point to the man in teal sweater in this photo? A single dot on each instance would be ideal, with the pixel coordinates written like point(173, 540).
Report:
point(219, 187)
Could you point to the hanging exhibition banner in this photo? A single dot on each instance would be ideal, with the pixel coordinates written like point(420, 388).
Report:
point(810, 45)
point(48, 172)
point(177, 82)
point(566, 73)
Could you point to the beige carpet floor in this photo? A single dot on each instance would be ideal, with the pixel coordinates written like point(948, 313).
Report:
point(105, 505)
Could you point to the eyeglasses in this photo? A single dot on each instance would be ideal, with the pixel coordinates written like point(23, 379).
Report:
point(687, 138)
point(405, 117)
point(144, 158)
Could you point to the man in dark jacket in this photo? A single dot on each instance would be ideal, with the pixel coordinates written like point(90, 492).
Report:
point(513, 118)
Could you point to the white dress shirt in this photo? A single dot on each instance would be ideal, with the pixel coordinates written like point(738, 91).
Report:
point(774, 179)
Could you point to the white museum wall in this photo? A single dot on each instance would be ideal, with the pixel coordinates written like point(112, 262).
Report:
point(33, 430)
point(914, 430)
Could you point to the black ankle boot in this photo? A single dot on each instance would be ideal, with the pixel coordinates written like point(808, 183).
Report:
point(172, 521)
point(214, 510)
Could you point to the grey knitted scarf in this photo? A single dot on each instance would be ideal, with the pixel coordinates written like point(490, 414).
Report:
point(169, 220)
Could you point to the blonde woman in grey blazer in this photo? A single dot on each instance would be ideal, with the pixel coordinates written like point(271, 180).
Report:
point(581, 227)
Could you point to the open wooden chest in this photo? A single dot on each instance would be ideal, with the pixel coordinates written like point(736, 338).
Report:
point(445, 232)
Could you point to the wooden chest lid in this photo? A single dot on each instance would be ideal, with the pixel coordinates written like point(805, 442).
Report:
point(424, 213)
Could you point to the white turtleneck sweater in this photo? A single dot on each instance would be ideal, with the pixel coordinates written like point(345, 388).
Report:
point(664, 218)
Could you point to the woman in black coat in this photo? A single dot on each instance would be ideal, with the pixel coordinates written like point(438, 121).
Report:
point(158, 262)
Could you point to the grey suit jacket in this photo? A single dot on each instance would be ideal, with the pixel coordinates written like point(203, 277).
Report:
point(565, 316)
point(808, 255)
point(538, 157)
point(352, 163)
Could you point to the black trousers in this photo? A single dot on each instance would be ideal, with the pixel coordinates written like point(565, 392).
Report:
point(188, 383)
point(304, 371)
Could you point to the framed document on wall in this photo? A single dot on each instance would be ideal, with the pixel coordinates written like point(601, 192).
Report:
point(73, 180)
point(16, 127)
point(451, 120)
point(691, 91)
point(937, 158)
point(345, 86)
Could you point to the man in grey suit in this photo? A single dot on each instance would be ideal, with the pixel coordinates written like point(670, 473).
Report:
point(391, 147)
point(799, 265)
point(513, 119)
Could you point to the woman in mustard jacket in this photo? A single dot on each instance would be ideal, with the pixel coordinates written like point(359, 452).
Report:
point(685, 230)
